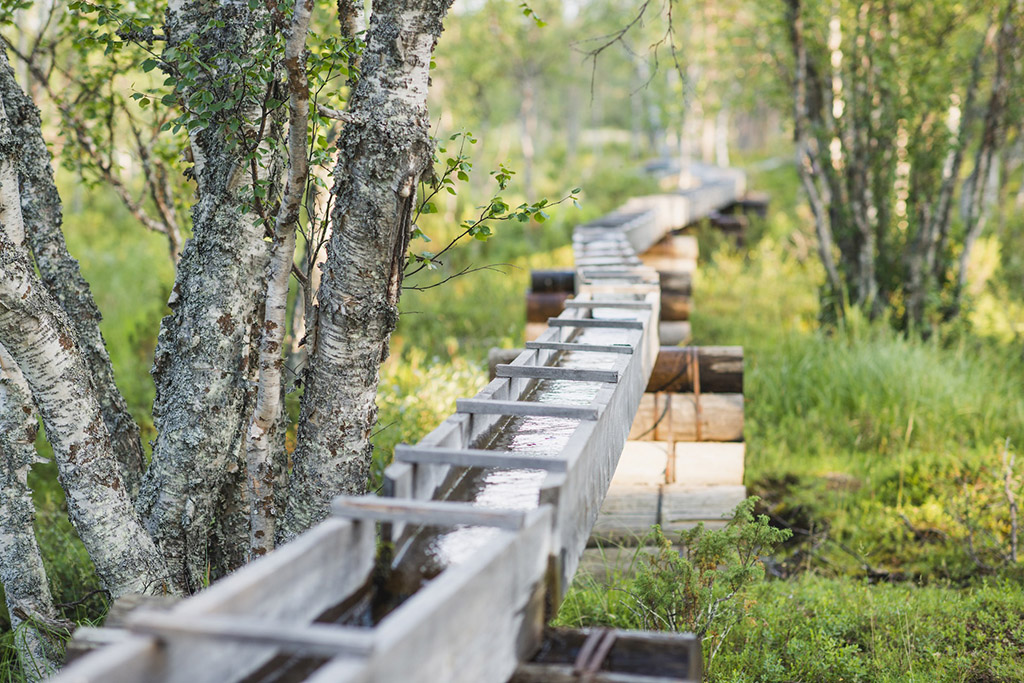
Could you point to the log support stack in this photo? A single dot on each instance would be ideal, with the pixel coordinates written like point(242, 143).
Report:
point(675, 259)
point(683, 463)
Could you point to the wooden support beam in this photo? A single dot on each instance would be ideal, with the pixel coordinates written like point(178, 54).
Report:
point(525, 408)
point(477, 457)
point(555, 372)
point(684, 417)
point(675, 305)
point(596, 322)
point(429, 512)
point(720, 369)
point(573, 346)
point(543, 305)
point(319, 640)
point(613, 303)
point(553, 281)
point(677, 281)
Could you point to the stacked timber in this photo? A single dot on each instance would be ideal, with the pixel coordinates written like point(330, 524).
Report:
point(675, 259)
point(683, 463)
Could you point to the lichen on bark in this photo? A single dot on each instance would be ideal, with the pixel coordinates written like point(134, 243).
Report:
point(381, 157)
point(204, 364)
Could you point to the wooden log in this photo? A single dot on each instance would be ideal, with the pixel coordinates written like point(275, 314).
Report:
point(548, 281)
point(321, 640)
point(590, 304)
point(673, 417)
point(677, 280)
point(671, 264)
point(683, 507)
point(543, 305)
point(682, 247)
point(720, 369)
point(634, 657)
point(675, 305)
point(672, 332)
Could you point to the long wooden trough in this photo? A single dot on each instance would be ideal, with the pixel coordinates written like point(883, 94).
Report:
point(479, 612)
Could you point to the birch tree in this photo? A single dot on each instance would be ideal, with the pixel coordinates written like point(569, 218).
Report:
point(890, 105)
point(382, 155)
point(41, 340)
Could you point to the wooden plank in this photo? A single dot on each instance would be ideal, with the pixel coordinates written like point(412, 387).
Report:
point(556, 372)
point(477, 457)
point(572, 346)
point(594, 322)
point(294, 638)
point(430, 512)
point(295, 583)
point(612, 303)
point(525, 408)
point(566, 673)
point(683, 506)
point(473, 623)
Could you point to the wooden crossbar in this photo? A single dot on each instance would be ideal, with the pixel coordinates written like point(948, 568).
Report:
point(596, 322)
point(477, 457)
point(430, 512)
point(574, 346)
point(525, 408)
point(552, 372)
point(309, 639)
point(596, 303)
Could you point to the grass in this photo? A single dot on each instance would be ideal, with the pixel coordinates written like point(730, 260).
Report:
point(885, 455)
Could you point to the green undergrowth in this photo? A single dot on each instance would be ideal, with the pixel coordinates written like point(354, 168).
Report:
point(885, 457)
point(815, 628)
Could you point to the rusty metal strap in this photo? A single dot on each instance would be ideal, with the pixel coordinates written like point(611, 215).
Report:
point(695, 374)
point(593, 653)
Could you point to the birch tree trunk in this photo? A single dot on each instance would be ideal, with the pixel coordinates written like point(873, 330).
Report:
point(381, 158)
point(41, 214)
point(41, 340)
point(26, 589)
point(204, 365)
point(261, 468)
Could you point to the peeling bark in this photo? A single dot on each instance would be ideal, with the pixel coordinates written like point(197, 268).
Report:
point(204, 365)
point(41, 211)
point(26, 589)
point(260, 462)
point(381, 158)
point(40, 338)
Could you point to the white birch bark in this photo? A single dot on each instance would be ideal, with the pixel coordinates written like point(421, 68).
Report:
point(261, 468)
point(204, 364)
point(41, 340)
point(41, 218)
point(381, 158)
point(26, 588)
